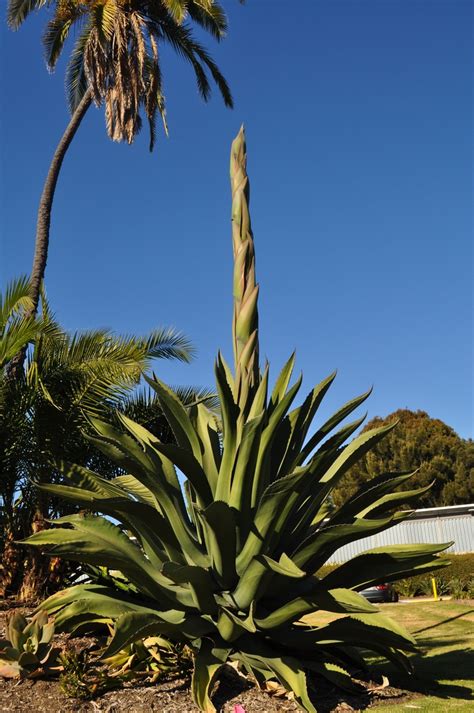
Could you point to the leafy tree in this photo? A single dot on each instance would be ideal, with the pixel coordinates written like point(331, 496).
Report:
point(419, 443)
point(115, 62)
point(66, 380)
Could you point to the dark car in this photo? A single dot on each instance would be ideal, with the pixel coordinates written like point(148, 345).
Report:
point(380, 593)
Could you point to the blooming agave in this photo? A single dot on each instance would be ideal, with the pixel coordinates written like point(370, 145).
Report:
point(228, 562)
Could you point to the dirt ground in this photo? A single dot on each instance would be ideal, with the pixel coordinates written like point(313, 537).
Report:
point(46, 696)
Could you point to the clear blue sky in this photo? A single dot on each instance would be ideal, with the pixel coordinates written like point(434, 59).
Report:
point(358, 118)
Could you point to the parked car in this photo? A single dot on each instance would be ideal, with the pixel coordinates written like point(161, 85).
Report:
point(380, 593)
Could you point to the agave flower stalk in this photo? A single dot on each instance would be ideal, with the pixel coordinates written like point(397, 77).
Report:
point(229, 564)
point(245, 288)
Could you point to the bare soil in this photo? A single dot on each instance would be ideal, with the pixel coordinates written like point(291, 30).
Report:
point(46, 696)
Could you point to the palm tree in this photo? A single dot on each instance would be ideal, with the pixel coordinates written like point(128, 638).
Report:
point(43, 414)
point(115, 61)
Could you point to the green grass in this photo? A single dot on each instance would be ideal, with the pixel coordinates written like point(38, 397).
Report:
point(444, 669)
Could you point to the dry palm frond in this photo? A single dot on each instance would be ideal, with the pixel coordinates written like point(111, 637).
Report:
point(116, 53)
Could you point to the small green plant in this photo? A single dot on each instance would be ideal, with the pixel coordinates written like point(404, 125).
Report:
point(26, 652)
point(458, 588)
point(82, 678)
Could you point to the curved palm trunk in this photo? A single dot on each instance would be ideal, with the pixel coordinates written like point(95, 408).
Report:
point(46, 202)
point(43, 221)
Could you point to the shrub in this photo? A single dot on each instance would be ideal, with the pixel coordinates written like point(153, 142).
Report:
point(229, 566)
point(455, 579)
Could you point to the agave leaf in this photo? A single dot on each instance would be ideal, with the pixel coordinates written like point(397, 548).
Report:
point(205, 424)
point(151, 446)
point(91, 599)
point(86, 479)
point(336, 675)
point(129, 484)
point(384, 564)
point(9, 653)
point(151, 529)
point(16, 630)
point(299, 421)
point(243, 472)
point(230, 413)
point(218, 522)
point(285, 566)
point(190, 467)
point(9, 670)
point(276, 504)
point(178, 418)
point(252, 584)
point(261, 476)
point(200, 582)
point(362, 630)
point(97, 541)
point(331, 424)
point(289, 672)
point(336, 600)
point(324, 541)
point(368, 494)
point(96, 608)
point(281, 384)
point(136, 625)
point(391, 500)
point(209, 659)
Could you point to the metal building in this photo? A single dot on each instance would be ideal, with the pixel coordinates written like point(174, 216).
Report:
point(429, 525)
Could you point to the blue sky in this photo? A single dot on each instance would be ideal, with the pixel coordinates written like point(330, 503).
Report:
point(358, 117)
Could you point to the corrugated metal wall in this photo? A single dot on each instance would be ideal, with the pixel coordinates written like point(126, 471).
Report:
point(457, 528)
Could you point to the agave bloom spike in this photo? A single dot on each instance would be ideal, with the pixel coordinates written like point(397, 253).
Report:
point(245, 290)
point(229, 564)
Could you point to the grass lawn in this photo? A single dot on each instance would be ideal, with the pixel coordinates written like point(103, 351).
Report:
point(444, 673)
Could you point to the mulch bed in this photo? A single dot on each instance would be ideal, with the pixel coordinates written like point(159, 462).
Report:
point(46, 696)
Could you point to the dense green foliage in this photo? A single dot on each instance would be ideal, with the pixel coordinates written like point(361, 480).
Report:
point(66, 379)
point(419, 443)
point(227, 563)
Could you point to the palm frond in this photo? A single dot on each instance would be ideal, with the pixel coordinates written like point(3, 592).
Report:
point(20, 332)
point(16, 299)
point(183, 42)
point(18, 11)
point(210, 16)
point(55, 35)
point(76, 79)
point(178, 9)
point(168, 343)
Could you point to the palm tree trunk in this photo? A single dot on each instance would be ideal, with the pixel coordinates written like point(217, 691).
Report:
point(43, 221)
point(46, 202)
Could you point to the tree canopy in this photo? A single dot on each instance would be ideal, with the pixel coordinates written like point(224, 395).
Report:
point(420, 443)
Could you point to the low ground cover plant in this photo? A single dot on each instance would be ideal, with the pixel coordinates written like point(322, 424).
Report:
point(27, 650)
point(226, 563)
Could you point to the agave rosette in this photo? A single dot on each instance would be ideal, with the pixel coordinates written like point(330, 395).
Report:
point(220, 536)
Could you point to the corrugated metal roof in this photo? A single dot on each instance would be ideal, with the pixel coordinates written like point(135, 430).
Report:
point(458, 529)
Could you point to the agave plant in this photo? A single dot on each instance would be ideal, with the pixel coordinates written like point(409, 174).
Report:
point(27, 650)
point(226, 559)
